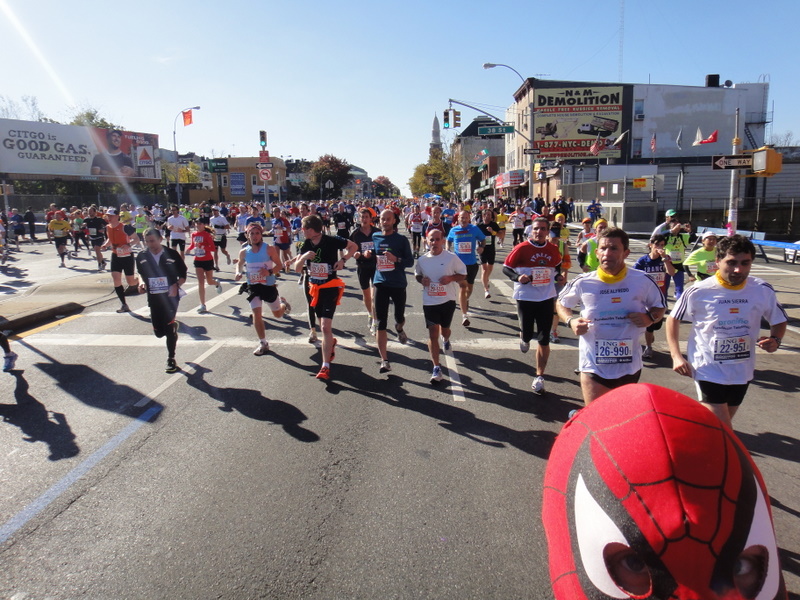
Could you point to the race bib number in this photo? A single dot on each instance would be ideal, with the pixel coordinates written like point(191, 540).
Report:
point(540, 275)
point(199, 252)
point(123, 251)
point(436, 289)
point(733, 349)
point(659, 277)
point(489, 240)
point(711, 267)
point(384, 264)
point(341, 225)
point(157, 285)
point(676, 255)
point(59, 233)
point(218, 237)
point(464, 247)
point(92, 231)
point(416, 227)
point(367, 246)
point(318, 270)
point(611, 352)
point(254, 274)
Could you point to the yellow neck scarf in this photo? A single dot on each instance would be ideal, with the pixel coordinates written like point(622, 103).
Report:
point(727, 285)
point(608, 278)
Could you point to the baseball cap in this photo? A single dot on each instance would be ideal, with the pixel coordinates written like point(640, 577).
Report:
point(111, 211)
point(708, 234)
point(586, 220)
point(670, 213)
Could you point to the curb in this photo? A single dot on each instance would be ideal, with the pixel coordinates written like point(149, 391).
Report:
point(33, 317)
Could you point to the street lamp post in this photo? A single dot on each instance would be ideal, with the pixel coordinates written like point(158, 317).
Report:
point(530, 130)
point(175, 147)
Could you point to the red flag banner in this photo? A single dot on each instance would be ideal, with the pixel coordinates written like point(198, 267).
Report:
point(653, 143)
point(597, 146)
point(710, 139)
point(187, 117)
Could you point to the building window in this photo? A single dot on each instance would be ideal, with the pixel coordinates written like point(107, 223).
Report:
point(636, 149)
point(254, 180)
point(638, 107)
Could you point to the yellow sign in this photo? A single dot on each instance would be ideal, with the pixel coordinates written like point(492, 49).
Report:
point(640, 183)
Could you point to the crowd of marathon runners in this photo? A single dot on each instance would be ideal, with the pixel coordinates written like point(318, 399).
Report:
point(447, 248)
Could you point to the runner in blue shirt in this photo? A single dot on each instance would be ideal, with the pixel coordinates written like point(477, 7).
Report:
point(467, 241)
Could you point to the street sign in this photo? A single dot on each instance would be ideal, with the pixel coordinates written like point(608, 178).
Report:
point(264, 165)
point(731, 161)
point(496, 130)
point(531, 151)
point(218, 165)
point(263, 156)
point(265, 174)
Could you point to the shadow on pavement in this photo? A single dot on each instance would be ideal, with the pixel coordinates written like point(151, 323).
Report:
point(392, 392)
point(253, 405)
point(38, 424)
point(91, 387)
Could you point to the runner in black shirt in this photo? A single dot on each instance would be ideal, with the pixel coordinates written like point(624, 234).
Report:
point(320, 255)
point(365, 260)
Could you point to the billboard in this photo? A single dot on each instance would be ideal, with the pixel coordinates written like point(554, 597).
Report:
point(29, 148)
point(568, 120)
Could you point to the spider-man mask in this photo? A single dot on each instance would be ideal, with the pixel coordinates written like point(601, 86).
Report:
point(647, 495)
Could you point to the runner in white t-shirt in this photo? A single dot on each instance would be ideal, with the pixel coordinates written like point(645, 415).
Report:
point(726, 312)
point(439, 271)
point(618, 304)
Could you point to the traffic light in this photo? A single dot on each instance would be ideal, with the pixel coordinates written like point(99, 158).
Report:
point(767, 162)
point(456, 118)
point(262, 135)
point(447, 119)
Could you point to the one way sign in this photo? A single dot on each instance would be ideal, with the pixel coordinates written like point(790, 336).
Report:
point(731, 161)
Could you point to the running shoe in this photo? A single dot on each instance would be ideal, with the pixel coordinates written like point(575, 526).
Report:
point(538, 385)
point(219, 286)
point(9, 361)
point(333, 350)
point(312, 337)
point(123, 309)
point(287, 308)
point(263, 348)
point(647, 352)
point(385, 366)
point(103, 265)
point(372, 326)
point(172, 366)
point(554, 339)
point(324, 373)
point(486, 294)
point(465, 319)
point(402, 337)
point(202, 309)
point(61, 266)
point(436, 376)
point(445, 344)
point(524, 346)
point(229, 259)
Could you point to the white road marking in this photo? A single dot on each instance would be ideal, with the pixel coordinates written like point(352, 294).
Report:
point(15, 523)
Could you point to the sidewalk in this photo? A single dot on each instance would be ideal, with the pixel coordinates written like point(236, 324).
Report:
point(46, 301)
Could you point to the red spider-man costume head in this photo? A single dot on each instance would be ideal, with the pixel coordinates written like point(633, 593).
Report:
point(647, 495)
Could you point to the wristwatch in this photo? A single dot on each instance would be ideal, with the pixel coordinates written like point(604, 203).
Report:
point(777, 339)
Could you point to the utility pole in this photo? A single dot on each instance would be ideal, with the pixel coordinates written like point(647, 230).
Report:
point(733, 200)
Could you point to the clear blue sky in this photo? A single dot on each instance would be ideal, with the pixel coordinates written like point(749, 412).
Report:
point(362, 79)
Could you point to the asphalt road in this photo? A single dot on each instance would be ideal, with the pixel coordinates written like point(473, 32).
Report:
point(245, 477)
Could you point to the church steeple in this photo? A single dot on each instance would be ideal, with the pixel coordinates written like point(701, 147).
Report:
point(436, 138)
